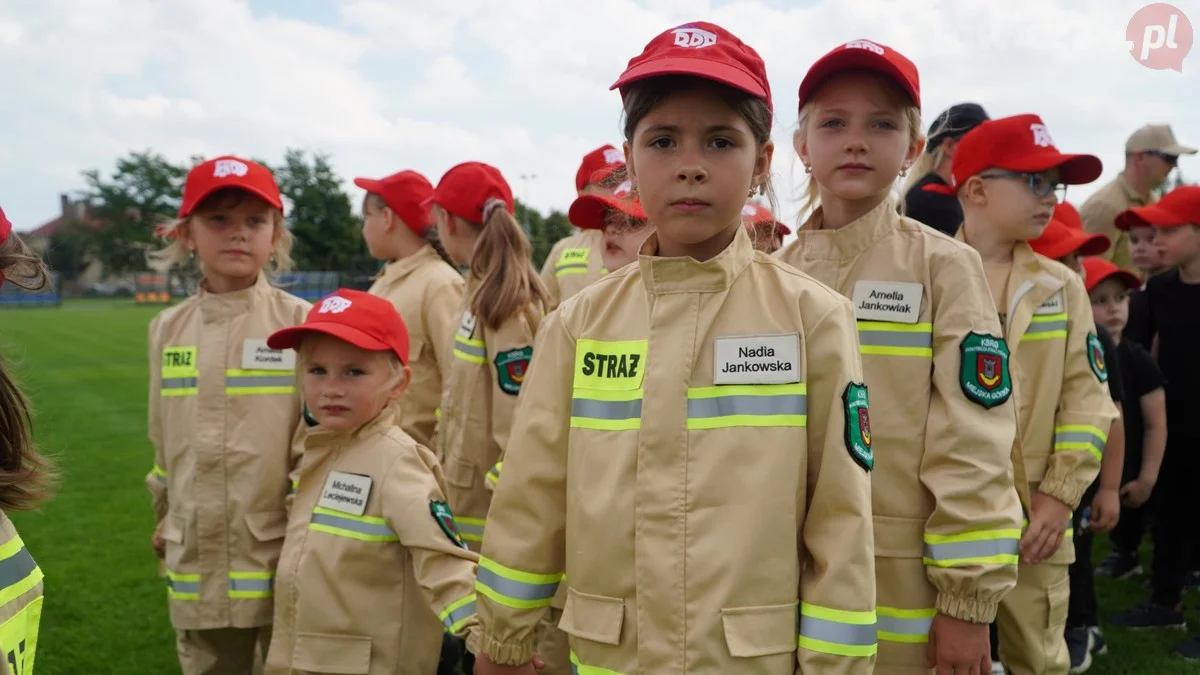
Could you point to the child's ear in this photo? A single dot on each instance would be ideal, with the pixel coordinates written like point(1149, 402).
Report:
point(400, 387)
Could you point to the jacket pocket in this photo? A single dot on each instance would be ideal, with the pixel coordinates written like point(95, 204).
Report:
point(267, 525)
point(347, 654)
point(760, 631)
point(460, 473)
point(593, 617)
point(174, 527)
point(899, 537)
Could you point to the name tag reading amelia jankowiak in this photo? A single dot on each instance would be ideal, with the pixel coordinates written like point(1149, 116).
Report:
point(757, 359)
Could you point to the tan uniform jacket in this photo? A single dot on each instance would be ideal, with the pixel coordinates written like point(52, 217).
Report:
point(1100, 212)
point(573, 264)
point(478, 400)
point(223, 412)
point(947, 517)
point(683, 455)
point(1064, 410)
point(428, 294)
point(372, 571)
point(20, 602)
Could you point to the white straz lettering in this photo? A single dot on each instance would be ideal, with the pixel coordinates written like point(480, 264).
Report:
point(256, 355)
point(895, 301)
point(1041, 135)
point(757, 359)
point(346, 492)
point(865, 44)
point(334, 304)
point(229, 167)
point(694, 37)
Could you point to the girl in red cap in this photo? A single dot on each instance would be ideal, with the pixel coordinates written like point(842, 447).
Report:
point(619, 217)
point(223, 410)
point(27, 479)
point(691, 455)
point(1007, 173)
point(946, 514)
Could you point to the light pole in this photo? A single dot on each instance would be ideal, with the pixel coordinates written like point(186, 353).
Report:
point(525, 179)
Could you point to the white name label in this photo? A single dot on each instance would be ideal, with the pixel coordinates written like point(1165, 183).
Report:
point(256, 355)
point(895, 301)
point(1052, 306)
point(757, 359)
point(346, 492)
point(467, 327)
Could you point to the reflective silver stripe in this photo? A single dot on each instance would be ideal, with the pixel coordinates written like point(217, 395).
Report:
point(180, 382)
point(560, 267)
point(1045, 327)
point(369, 529)
point(469, 531)
point(1080, 437)
point(606, 410)
point(470, 349)
point(517, 590)
point(725, 406)
point(459, 614)
point(248, 381)
point(16, 567)
point(891, 624)
point(183, 586)
point(858, 635)
point(959, 550)
point(890, 338)
point(252, 585)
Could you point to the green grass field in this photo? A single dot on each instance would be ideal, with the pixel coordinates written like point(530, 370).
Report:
point(84, 366)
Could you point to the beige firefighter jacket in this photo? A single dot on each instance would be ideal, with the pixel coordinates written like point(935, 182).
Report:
point(428, 294)
point(1099, 214)
point(223, 412)
point(683, 453)
point(20, 602)
point(573, 263)
point(372, 570)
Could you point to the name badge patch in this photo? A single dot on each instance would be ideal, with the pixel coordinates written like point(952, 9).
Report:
point(467, 326)
point(895, 301)
point(1052, 306)
point(346, 492)
point(757, 359)
point(256, 355)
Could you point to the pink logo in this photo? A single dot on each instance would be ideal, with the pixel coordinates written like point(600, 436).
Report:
point(1159, 37)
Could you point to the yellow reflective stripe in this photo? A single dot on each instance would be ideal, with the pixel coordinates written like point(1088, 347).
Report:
point(470, 529)
point(19, 636)
point(888, 338)
point(1046, 327)
point(764, 405)
point(1080, 437)
point(578, 668)
point(251, 585)
point(362, 528)
point(909, 626)
point(472, 351)
point(837, 631)
point(293, 487)
point(611, 410)
point(458, 613)
point(493, 474)
point(981, 547)
point(183, 586)
point(18, 571)
point(1068, 533)
point(243, 382)
point(514, 588)
point(159, 473)
point(565, 270)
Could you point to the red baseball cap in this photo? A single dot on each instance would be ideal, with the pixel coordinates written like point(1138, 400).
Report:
point(867, 55)
point(605, 158)
point(407, 193)
point(1059, 240)
point(1180, 206)
point(702, 50)
point(466, 188)
point(587, 211)
point(228, 172)
point(5, 227)
point(1096, 270)
point(753, 214)
point(364, 320)
point(1019, 143)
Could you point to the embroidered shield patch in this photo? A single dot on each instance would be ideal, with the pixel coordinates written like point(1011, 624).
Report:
point(511, 367)
point(1096, 357)
point(858, 425)
point(445, 520)
point(983, 373)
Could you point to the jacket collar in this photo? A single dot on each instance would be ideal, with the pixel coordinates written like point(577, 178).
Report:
point(319, 438)
point(851, 240)
point(669, 275)
point(225, 305)
point(397, 270)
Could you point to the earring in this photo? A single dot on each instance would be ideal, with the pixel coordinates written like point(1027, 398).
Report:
point(633, 189)
point(753, 191)
point(904, 171)
point(807, 169)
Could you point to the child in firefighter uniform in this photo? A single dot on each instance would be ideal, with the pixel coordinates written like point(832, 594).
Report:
point(692, 453)
point(946, 516)
point(1006, 173)
point(372, 570)
point(222, 415)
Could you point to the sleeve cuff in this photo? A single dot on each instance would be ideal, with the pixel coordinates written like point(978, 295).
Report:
point(473, 641)
point(506, 653)
point(1065, 490)
point(966, 609)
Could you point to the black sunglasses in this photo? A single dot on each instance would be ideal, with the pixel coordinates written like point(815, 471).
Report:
point(1039, 183)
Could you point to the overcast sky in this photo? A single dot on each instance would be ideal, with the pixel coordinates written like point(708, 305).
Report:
point(523, 84)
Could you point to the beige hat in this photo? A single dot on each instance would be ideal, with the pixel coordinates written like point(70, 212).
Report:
point(1156, 138)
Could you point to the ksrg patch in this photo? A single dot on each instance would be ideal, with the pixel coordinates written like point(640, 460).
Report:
point(511, 367)
point(984, 373)
point(1095, 351)
point(858, 425)
point(445, 520)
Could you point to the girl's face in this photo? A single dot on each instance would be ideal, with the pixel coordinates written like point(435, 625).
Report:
point(1018, 206)
point(1142, 250)
point(856, 138)
point(622, 242)
point(1073, 261)
point(1110, 306)
point(345, 386)
point(376, 217)
point(454, 235)
point(1178, 245)
point(234, 239)
point(693, 159)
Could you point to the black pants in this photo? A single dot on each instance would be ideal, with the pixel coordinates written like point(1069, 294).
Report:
point(1081, 608)
point(1127, 536)
point(1174, 528)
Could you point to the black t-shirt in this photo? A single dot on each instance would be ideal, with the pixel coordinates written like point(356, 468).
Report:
point(1116, 384)
point(1137, 328)
point(941, 212)
point(1142, 376)
point(1172, 312)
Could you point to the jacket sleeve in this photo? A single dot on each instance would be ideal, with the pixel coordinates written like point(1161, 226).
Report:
point(523, 557)
point(509, 354)
point(549, 277)
point(837, 585)
point(972, 535)
point(414, 506)
point(1085, 409)
point(442, 306)
point(295, 455)
point(156, 479)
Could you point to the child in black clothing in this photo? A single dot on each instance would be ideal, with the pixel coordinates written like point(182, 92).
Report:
point(1172, 326)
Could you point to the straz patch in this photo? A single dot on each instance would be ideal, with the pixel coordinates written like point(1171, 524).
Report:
point(511, 367)
point(178, 361)
point(858, 425)
point(894, 301)
point(256, 355)
point(609, 366)
point(445, 520)
point(757, 359)
point(574, 256)
point(984, 373)
point(1096, 360)
point(346, 492)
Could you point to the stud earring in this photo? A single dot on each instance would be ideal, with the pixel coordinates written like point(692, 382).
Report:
point(904, 171)
point(807, 169)
point(753, 191)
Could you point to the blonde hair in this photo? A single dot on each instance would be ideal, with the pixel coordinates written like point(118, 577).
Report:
point(926, 164)
point(176, 253)
point(430, 232)
point(21, 265)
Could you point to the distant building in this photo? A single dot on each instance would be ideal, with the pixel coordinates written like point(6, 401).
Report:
point(72, 211)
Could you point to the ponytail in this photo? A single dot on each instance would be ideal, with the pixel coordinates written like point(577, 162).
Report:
point(431, 236)
point(501, 260)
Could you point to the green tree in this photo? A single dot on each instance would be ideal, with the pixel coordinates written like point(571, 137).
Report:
point(543, 231)
point(69, 249)
point(320, 216)
point(143, 192)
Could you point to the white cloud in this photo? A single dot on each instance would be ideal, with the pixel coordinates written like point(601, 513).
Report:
point(522, 84)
